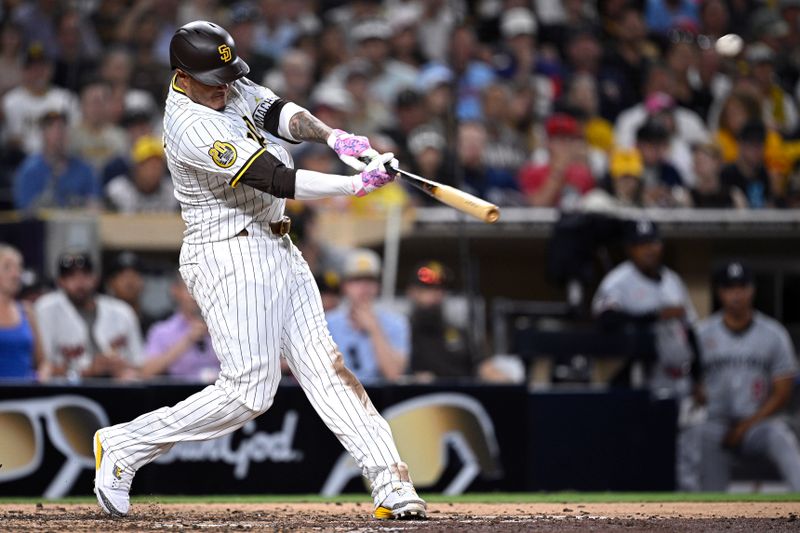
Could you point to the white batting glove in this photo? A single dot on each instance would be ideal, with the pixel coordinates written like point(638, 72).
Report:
point(375, 175)
point(352, 149)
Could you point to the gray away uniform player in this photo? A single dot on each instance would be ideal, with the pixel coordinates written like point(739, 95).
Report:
point(254, 289)
point(749, 366)
point(644, 294)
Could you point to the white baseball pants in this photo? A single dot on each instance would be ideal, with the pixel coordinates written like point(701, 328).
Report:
point(259, 299)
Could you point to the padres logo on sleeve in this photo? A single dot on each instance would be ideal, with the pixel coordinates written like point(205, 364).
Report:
point(224, 52)
point(223, 154)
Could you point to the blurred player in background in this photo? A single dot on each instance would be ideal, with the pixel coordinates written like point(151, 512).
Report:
point(749, 367)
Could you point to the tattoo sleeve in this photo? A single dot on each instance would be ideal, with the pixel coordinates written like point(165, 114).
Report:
point(306, 127)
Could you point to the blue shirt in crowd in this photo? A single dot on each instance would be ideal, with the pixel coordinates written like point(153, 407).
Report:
point(356, 346)
point(16, 350)
point(35, 185)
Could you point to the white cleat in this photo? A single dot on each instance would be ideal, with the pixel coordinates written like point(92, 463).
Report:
point(111, 483)
point(402, 504)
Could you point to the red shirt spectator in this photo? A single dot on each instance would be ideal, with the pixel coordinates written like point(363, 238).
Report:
point(566, 176)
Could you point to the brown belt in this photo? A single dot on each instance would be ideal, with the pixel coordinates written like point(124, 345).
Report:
point(277, 227)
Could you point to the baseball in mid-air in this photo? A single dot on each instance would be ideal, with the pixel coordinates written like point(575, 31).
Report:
point(729, 45)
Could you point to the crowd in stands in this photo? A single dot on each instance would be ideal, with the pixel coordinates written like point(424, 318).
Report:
point(525, 102)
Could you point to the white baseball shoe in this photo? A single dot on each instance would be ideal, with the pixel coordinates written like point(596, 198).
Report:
point(111, 483)
point(402, 504)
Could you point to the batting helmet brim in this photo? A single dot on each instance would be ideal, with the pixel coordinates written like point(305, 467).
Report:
point(222, 75)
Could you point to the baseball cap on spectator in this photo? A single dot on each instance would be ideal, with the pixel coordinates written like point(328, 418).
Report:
point(430, 274)
point(658, 102)
point(424, 137)
point(332, 96)
point(146, 147)
point(752, 132)
point(641, 232)
point(433, 76)
point(407, 98)
point(51, 115)
point(759, 53)
point(562, 125)
point(244, 11)
point(74, 261)
point(734, 273)
point(652, 131)
point(767, 22)
point(371, 29)
point(517, 21)
point(626, 163)
point(123, 261)
point(328, 281)
point(404, 16)
point(35, 54)
point(362, 263)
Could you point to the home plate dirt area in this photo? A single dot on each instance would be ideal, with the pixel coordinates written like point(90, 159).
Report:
point(666, 516)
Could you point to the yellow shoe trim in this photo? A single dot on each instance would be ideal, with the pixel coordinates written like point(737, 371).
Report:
point(98, 456)
point(382, 513)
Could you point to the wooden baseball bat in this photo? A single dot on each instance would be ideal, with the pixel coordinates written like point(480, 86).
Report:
point(455, 198)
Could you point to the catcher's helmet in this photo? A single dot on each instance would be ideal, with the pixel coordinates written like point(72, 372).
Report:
point(206, 52)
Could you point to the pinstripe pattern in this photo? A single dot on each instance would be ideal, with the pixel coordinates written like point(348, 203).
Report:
point(259, 299)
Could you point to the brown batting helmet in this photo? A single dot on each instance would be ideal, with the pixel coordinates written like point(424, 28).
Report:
point(207, 53)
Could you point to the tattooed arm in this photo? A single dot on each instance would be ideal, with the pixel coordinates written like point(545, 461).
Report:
point(306, 127)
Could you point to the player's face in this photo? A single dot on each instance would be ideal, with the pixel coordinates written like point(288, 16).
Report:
point(647, 255)
point(736, 299)
point(213, 96)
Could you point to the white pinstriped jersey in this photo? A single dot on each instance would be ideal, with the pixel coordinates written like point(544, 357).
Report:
point(207, 151)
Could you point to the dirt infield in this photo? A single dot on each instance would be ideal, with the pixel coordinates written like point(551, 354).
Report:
point(730, 516)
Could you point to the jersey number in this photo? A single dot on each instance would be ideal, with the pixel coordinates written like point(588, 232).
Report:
point(253, 132)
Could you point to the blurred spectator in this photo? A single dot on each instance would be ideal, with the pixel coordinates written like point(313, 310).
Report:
point(644, 295)
point(505, 149)
point(435, 25)
point(496, 185)
point(405, 43)
point(245, 28)
point(430, 158)
point(581, 95)
point(623, 185)
point(371, 116)
point(10, 57)
point(52, 178)
point(374, 341)
point(566, 176)
point(684, 127)
point(20, 347)
point(630, 51)
point(294, 79)
point(410, 113)
point(138, 123)
point(690, 88)
point(387, 76)
point(748, 173)
point(439, 349)
point(125, 282)
point(662, 183)
point(519, 59)
point(663, 15)
point(715, 18)
point(37, 20)
point(749, 368)
point(435, 84)
point(321, 255)
point(329, 285)
point(274, 33)
point(139, 31)
point(778, 107)
point(180, 347)
point(116, 69)
point(95, 139)
point(78, 50)
point(708, 191)
point(87, 334)
point(149, 188)
point(25, 105)
point(472, 73)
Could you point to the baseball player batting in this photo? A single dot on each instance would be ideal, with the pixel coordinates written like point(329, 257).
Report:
point(254, 288)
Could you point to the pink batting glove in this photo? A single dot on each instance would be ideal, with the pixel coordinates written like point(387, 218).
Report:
point(374, 176)
point(351, 148)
